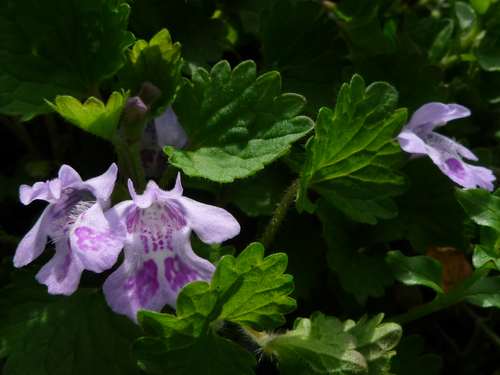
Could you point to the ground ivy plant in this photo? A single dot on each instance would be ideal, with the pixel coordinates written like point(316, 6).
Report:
point(293, 187)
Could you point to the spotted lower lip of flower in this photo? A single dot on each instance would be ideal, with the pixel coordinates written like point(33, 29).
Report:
point(418, 138)
point(84, 236)
point(159, 259)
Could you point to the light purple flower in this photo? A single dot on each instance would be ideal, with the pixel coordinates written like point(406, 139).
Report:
point(159, 259)
point(165, 130)
point(418, 137)
point(84, 236)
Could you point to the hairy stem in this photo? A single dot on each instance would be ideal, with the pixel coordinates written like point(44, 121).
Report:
point(129, 160)
point(279, 214)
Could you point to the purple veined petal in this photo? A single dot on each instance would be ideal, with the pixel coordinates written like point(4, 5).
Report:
point(185, 266)
point(62, 273)
point(169, 131)
point(96, 240)
point(135, 286)
point(211, 224)
point(102, 186)
point(68, 177)
point(433, 114)
point(33, 243)
point(49, 191)
point(466, 175)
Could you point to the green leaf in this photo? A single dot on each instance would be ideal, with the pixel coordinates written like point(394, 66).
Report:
point(255, 289)
point(157, 61)
point(325, 345)
point(362, 272)
point(300, 40)
point(249, 290)
point(42, 334)
point(429, 214)
point(185, 344)
point(481, 6)
point(93, 115)
point(442, 42)
point(236, 122)
point(58, 47)
point(259, 195)
point(485, 292)
point(484, 209)
point(417, 270)
point(410, 360)
point(488, 52)
point(203, 36)
point(482, 206)
point(375, 340)
point(465, 14)
point(362, 28)
point(351, 159)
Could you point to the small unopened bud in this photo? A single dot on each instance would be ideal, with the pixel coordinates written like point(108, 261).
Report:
point(134, 117)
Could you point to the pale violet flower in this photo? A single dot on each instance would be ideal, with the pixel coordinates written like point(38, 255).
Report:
point(418, 137)
point(165, 130)
point(74, 220)
point(159, 259)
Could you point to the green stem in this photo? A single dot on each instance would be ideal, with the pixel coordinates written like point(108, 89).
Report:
point(129, 160)
point(442, 301)
point(279, 214)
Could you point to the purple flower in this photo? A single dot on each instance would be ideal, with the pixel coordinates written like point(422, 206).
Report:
point(159, 259)
point(84, 236)
point(418, 137)
point(163, 131)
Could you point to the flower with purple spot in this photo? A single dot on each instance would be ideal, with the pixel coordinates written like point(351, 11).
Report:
point(83, 234)
point(418, 137)
point(159, 259)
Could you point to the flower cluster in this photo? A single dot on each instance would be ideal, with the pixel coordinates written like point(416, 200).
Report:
point(153, 229)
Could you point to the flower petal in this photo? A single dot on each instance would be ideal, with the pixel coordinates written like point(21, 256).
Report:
point(49, 191)
point(68, 177)
point(63, 272)
point(102, 186)
point(135, 285)
point(412, 143)
point(211, 224)
point(433, 114)
point(145, 199)
point(169, 131)
point(96, 240)
point(185, 266)
point(466, 175)
point(33, 243)
point(448, 145)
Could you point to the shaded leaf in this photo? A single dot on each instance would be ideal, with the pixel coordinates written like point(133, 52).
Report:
point(58, 47)
point(157, 61)
point(42, 334)
point(416, 270)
